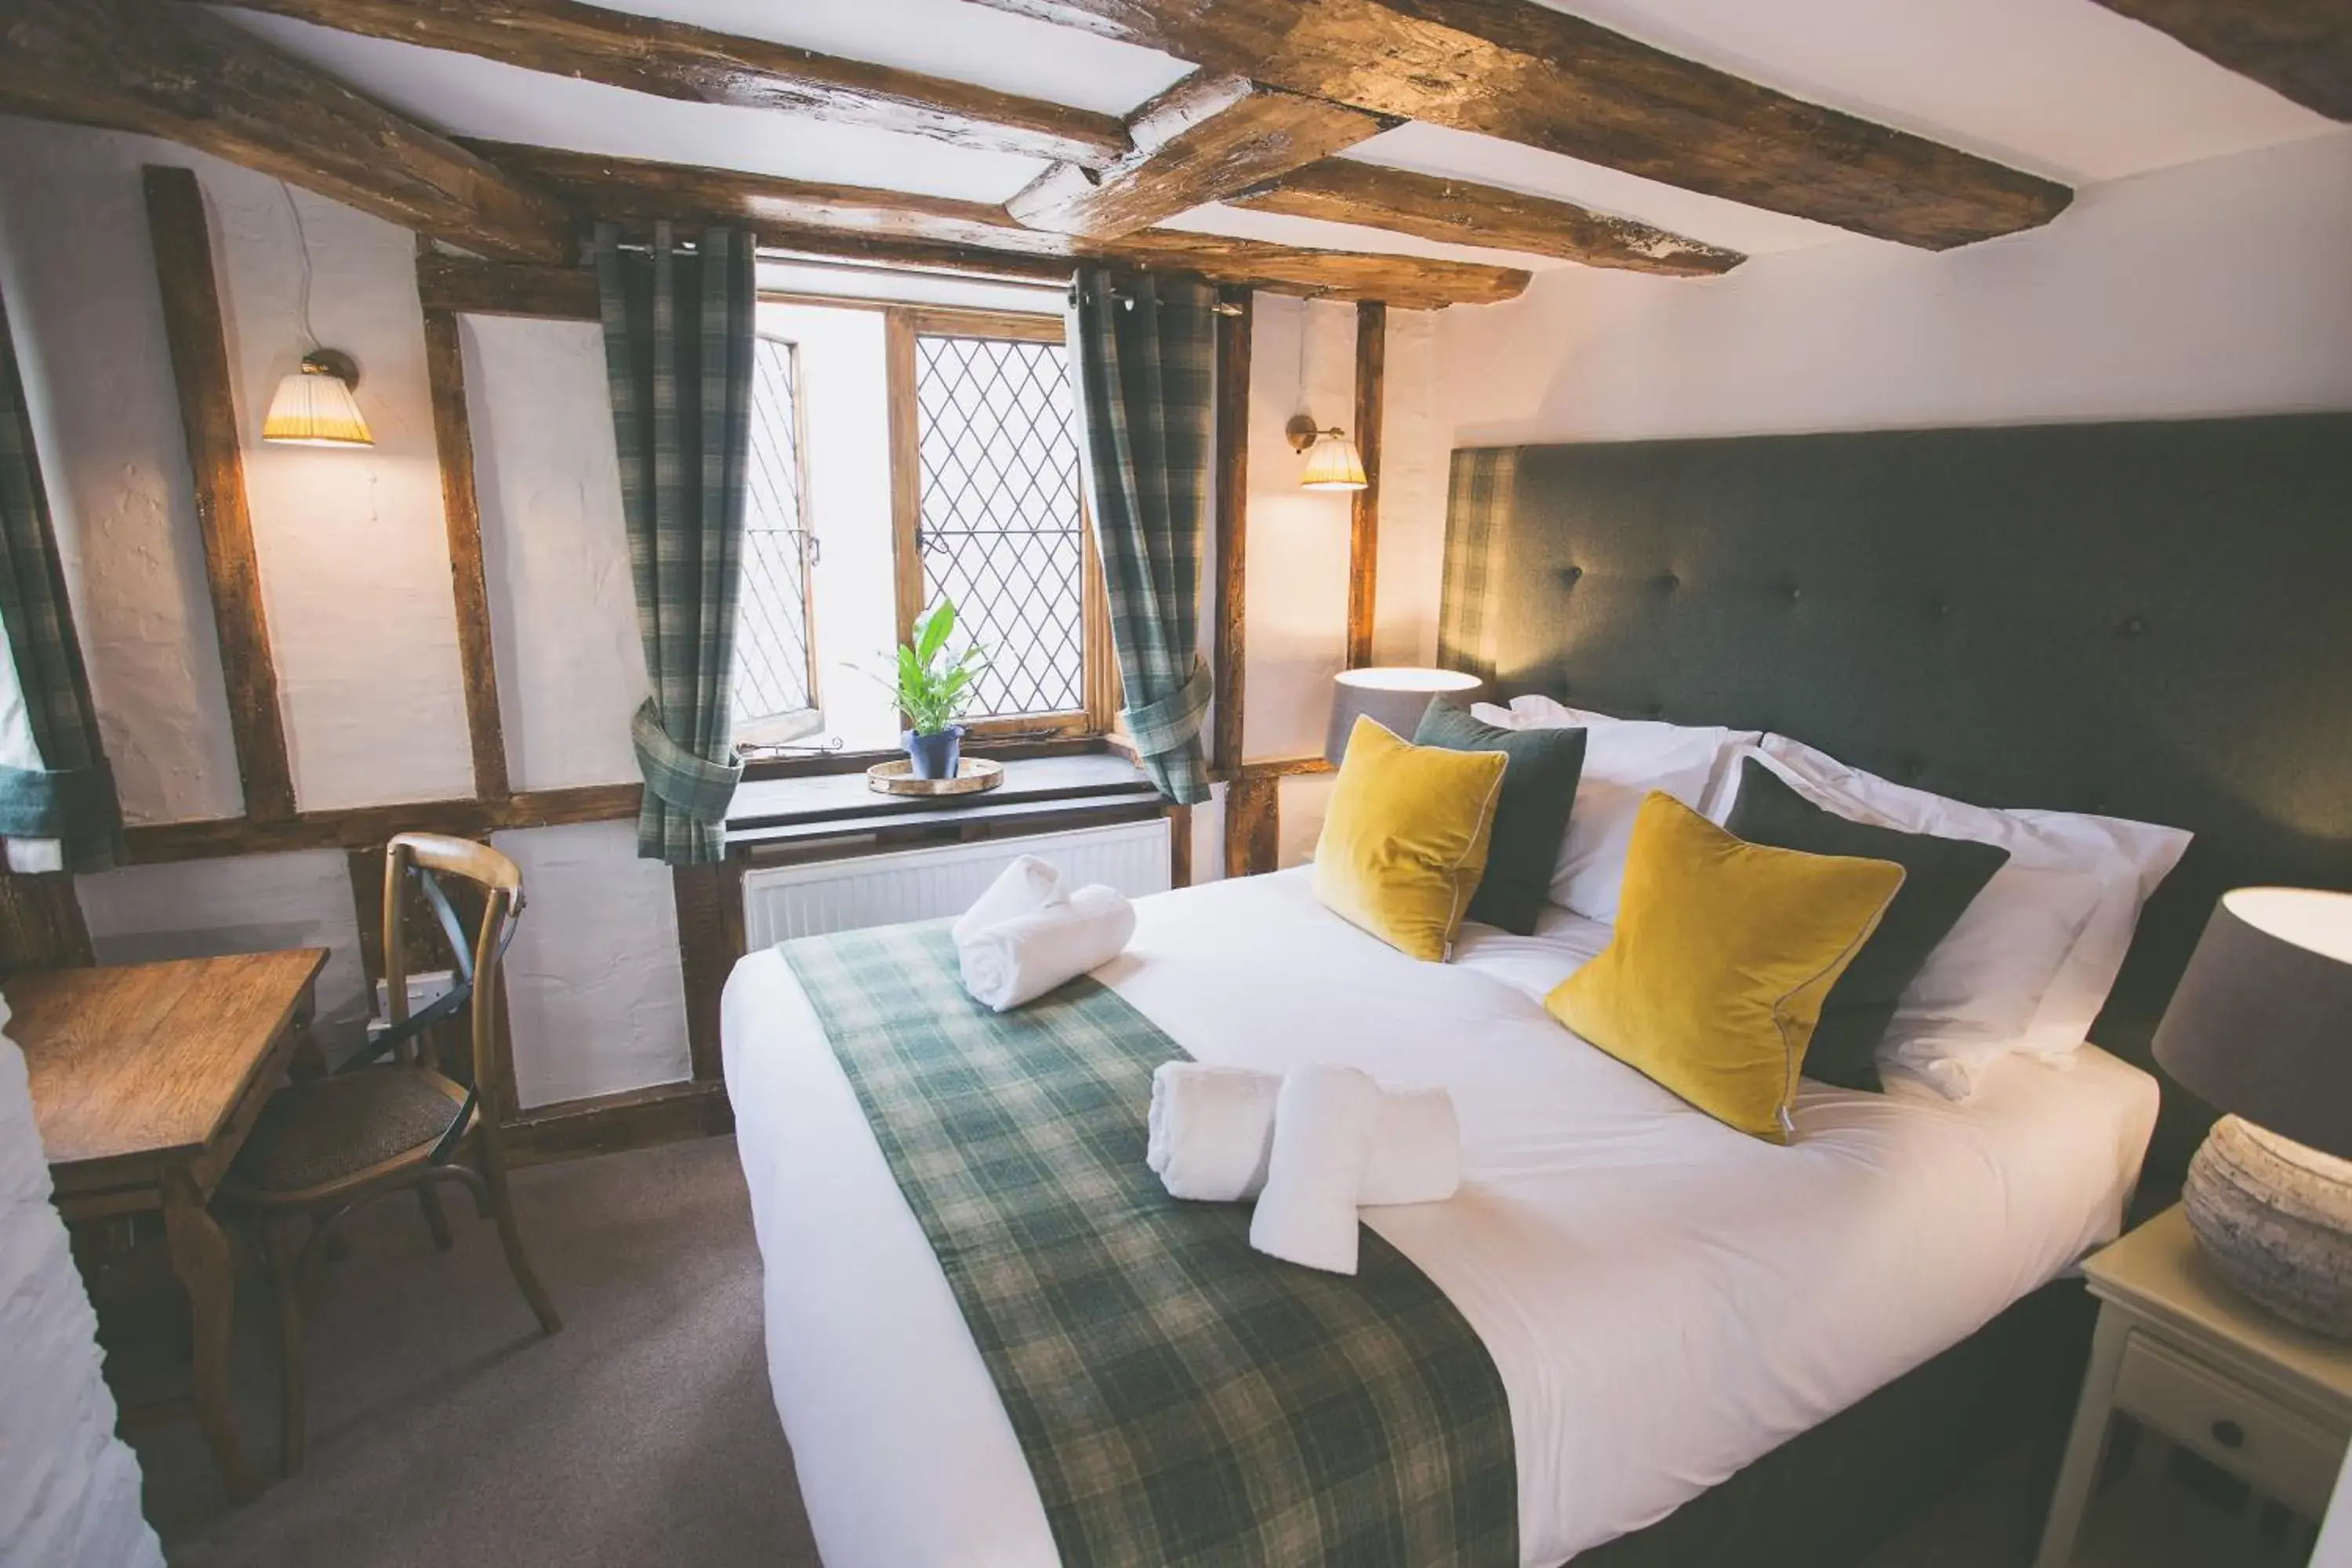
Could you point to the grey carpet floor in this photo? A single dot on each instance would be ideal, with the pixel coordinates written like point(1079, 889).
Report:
point(445, 1431)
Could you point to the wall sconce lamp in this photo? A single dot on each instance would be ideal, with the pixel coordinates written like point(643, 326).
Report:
point(1332, 461)
point(314, 406)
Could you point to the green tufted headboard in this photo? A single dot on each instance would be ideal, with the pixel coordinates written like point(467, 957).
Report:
point(2152, 620)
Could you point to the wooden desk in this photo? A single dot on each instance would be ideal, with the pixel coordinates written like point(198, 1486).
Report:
point(146, 1079)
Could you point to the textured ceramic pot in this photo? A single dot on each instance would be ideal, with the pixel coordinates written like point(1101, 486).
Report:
point(936, 756)
point(2275, 1220)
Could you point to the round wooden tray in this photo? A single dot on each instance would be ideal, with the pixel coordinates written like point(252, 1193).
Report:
point(897, 777)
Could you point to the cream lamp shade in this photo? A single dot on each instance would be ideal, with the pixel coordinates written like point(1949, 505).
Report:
point(314, 408)
point(1394, 697)
point(1333, 464)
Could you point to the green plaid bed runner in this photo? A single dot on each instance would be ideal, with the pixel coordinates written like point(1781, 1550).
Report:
point(1180, 1399)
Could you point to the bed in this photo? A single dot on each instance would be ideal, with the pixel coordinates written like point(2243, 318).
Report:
point(1712, 1349)
point(1665, 1298)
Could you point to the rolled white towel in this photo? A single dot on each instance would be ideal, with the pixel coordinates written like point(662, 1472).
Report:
point(1211, 1131)
point(1021, 959)
point(1324, 1119)
point(1026, 885)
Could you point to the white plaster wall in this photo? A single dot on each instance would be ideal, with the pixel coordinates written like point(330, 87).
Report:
point(353, 550)
point(595, 995)
point(200, 909)
point(555, 554)
point(80, 282)
point(1299, 541)
point(2213, 289)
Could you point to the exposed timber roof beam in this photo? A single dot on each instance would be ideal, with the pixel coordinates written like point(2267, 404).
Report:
point(1341, 189)
point(1529, 74)
point(173, 70)
point(856, 220)
point(2301, 50)
point(1205, 137)
point(672, 60)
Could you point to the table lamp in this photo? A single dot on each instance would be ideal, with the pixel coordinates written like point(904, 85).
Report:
point(1393, 697)
point(2262, 1027)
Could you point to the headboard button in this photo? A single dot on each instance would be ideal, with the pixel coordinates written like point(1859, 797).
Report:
point(1571, 574)
point(2134, 626)
point(1795, 592)
point(1668, 582)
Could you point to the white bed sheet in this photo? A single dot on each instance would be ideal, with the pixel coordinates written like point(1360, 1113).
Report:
point(1665, 1300)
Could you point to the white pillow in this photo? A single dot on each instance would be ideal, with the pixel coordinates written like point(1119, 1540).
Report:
point(2029, 965)
point(1625, 759)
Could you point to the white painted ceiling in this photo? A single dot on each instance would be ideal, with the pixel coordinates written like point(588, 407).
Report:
point(2061, 87)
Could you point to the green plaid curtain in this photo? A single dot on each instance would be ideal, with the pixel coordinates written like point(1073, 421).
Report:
point(71, 796)
point(1142, 355)
point(1477, 505)
point(677, 353)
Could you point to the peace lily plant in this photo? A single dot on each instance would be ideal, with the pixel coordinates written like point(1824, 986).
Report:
point(933, 690)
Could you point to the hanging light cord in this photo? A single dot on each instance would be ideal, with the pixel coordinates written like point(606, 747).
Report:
point(302, 244)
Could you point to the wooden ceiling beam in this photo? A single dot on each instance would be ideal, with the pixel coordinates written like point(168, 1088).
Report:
point(177, 72)
point(1341, 189)
point(2301, 50)
point(673, 59)
point(1205, 137)
point(1529, 74)
point(894, 226)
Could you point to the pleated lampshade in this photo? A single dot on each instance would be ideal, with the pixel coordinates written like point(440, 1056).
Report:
point(1333, 464)
point(314, 408)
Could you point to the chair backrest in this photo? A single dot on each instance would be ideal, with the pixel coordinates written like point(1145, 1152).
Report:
point(500, 882)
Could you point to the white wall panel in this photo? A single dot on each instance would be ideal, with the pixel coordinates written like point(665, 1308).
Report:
point(555, 551)
point(593, 989)
point(80, 282)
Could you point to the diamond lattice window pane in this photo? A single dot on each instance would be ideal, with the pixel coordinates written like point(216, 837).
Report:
point(772, 628)
point(1002, 528)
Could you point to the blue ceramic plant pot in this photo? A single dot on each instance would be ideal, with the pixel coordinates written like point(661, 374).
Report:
point(936, 756)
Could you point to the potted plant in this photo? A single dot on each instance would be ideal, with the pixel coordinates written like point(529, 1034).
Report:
point(932, 692)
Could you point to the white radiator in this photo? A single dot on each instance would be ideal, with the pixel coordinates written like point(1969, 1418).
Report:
point(784, 901)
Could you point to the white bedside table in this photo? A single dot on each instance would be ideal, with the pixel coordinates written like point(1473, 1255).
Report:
point(2181, 1352)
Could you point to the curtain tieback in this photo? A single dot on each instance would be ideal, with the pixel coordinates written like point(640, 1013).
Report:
point(57, 802)
point(693, 784)
point(1169, 723)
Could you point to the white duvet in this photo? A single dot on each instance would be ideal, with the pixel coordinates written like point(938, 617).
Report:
point(1665, 1300)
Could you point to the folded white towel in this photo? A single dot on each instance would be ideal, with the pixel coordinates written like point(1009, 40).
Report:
point(1025, 885)
point(1021, 959)
point(1212, 1129)
point(1324, 1119)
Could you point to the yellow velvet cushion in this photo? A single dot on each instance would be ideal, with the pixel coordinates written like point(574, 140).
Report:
point(1723, 954)
point(1404, 841)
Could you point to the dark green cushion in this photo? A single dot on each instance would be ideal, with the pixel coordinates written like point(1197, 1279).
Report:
point(1539, 789)
point(1941, 877)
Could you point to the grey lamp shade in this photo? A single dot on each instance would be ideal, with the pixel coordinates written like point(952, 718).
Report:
point(2262, 1023)
point(1393, 697)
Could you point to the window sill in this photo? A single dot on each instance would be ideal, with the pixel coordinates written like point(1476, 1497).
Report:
point(778, 815)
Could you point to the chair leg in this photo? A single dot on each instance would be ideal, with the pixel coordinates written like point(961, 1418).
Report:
point(285, 1247)
point(435, 1220)
point(494, 1175)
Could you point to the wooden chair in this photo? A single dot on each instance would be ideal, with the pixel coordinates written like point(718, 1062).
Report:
point(322, 1148)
